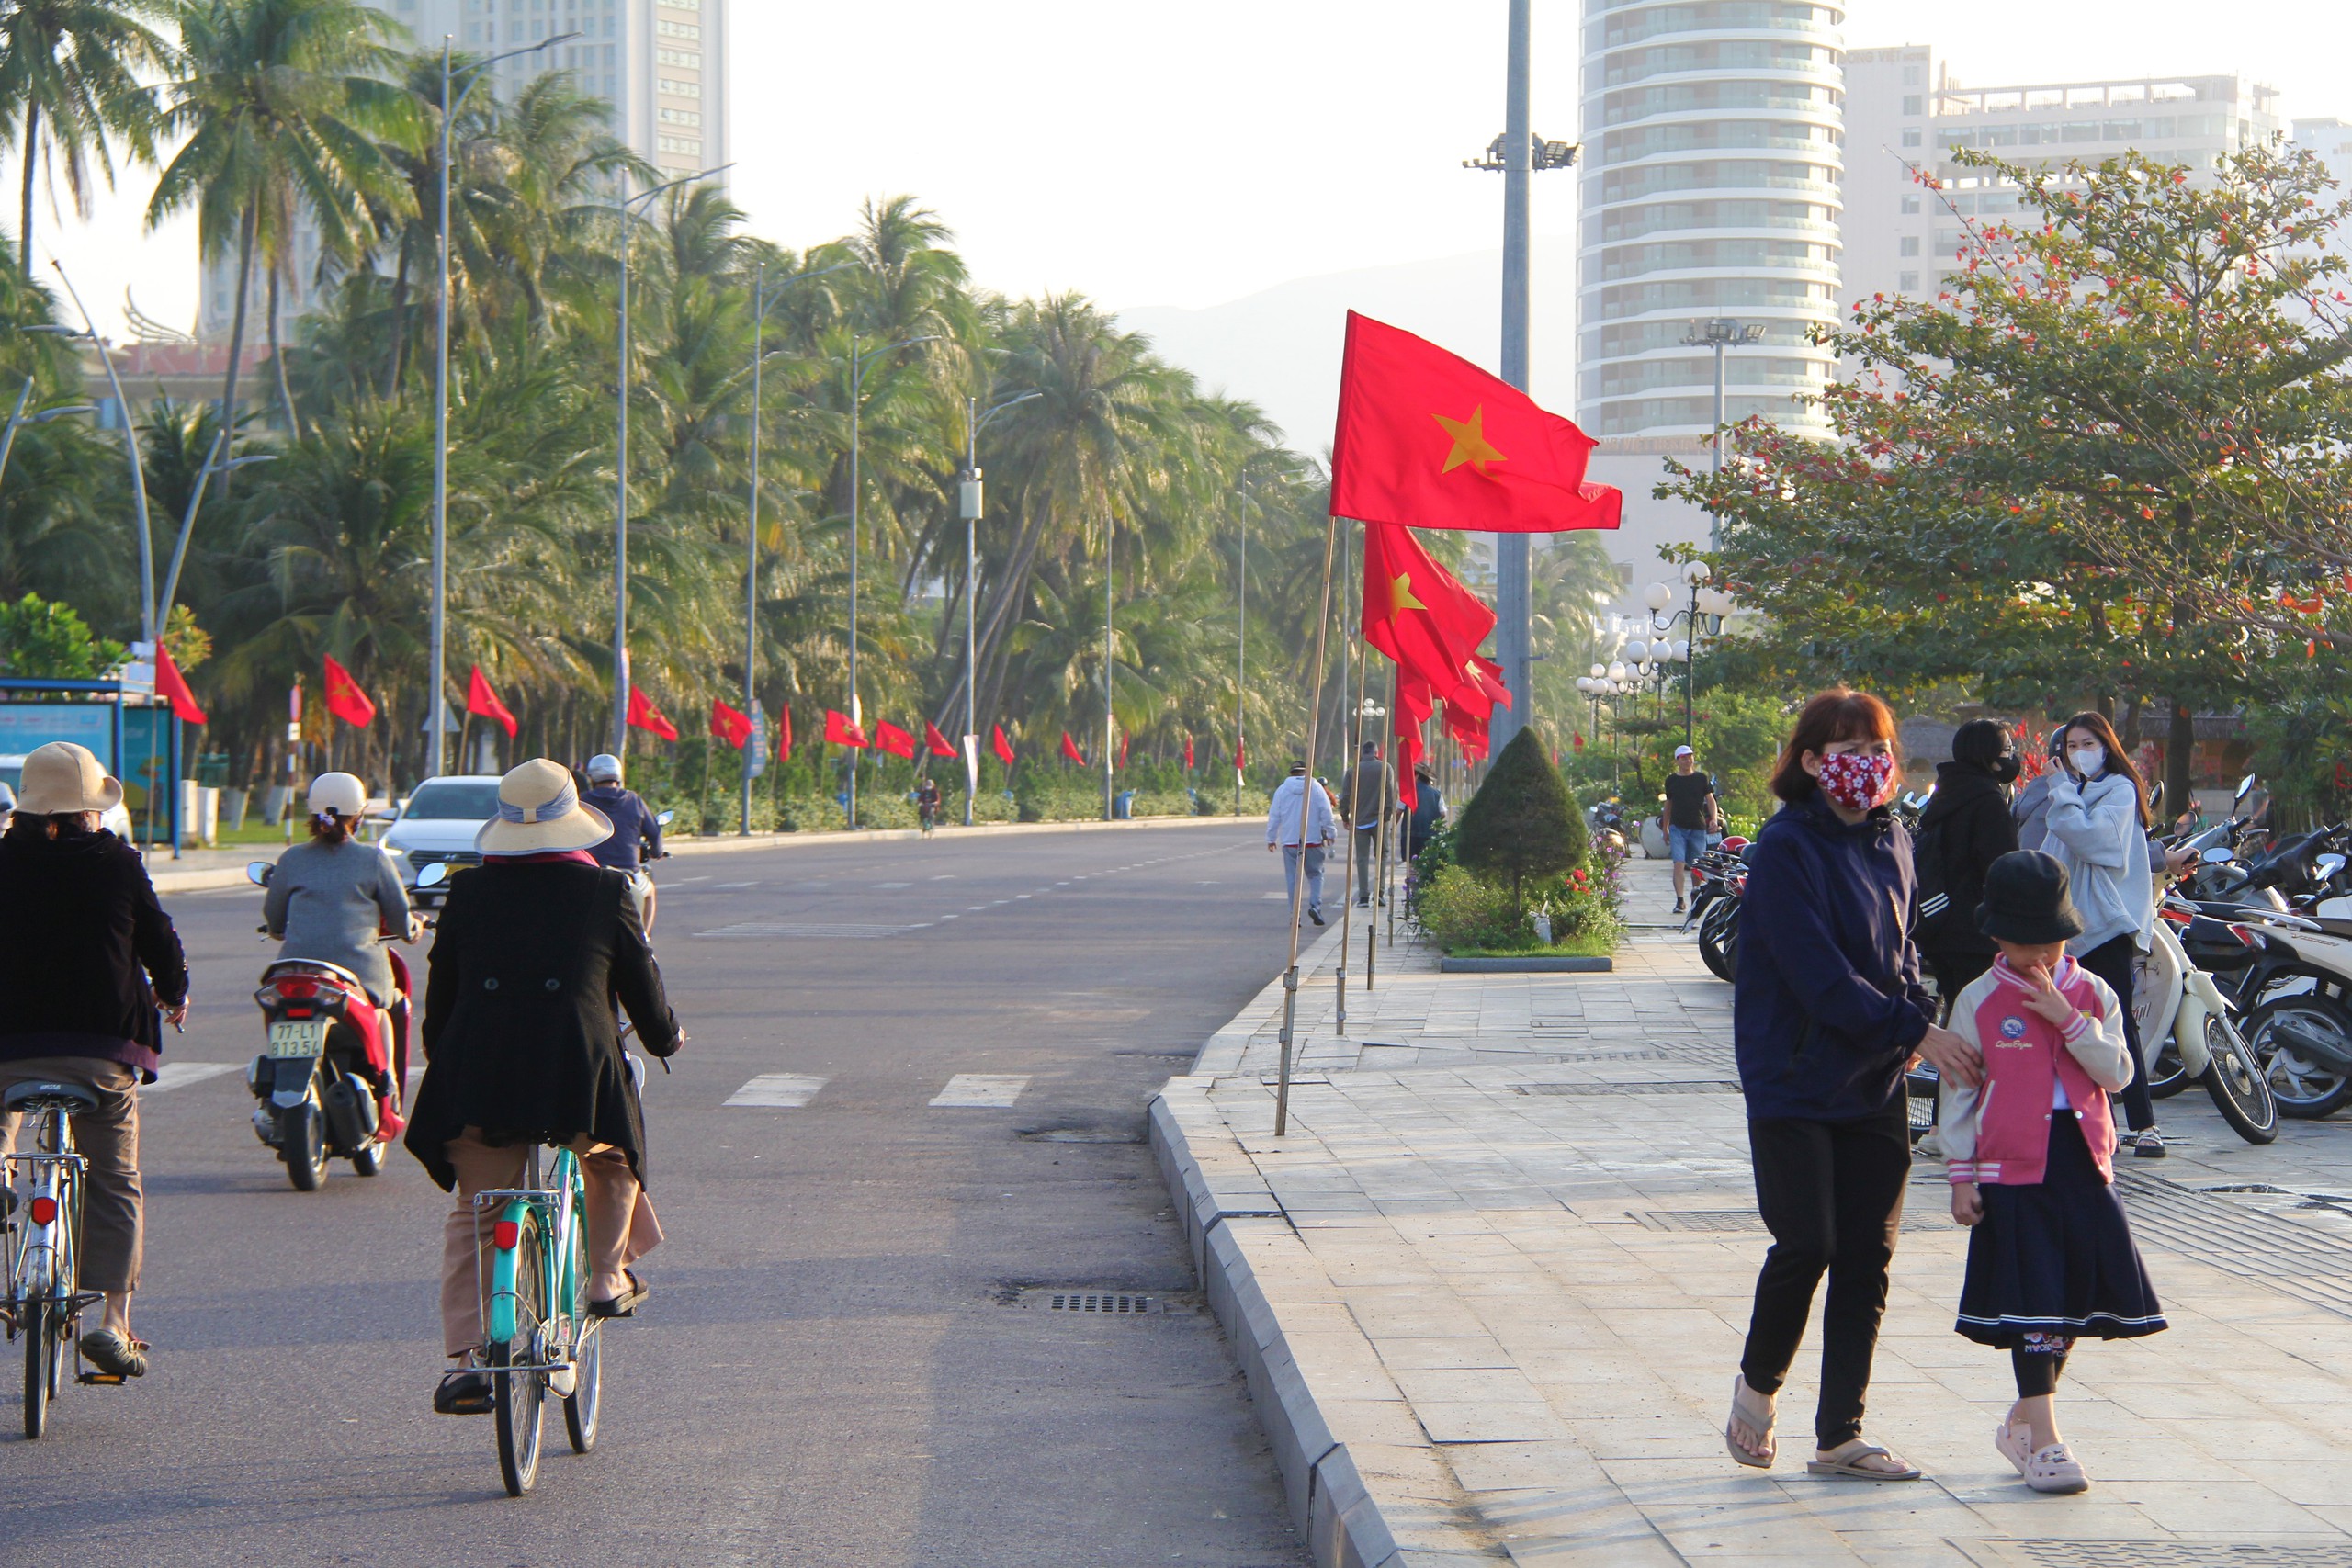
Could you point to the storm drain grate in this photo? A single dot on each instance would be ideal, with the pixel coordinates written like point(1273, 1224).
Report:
point(2169, 1554)
point(2293, 1258)
point(1092, 1302)
point(1672, 1086)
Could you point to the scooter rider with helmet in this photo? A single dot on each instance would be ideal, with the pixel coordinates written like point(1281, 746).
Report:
point(637, 834)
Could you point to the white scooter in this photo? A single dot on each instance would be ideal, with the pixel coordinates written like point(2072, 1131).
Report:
point(2177, 1003)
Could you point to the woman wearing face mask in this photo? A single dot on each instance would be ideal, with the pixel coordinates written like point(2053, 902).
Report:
point(1827, 1013)
point(1964, 829)
point(2098, 830)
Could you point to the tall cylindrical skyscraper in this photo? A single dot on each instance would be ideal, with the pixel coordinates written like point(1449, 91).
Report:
point(1713, 154)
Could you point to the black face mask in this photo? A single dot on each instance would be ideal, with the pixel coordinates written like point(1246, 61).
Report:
point(2005, 768)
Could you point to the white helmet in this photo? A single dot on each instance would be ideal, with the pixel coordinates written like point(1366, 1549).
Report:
point(342, 793)
point(603, 768)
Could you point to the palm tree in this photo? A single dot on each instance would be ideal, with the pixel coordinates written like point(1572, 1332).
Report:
point(68, 75)
point(282, 101)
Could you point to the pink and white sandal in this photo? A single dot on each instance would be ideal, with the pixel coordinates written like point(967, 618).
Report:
point(2055, 1468)
point(2014, 1440)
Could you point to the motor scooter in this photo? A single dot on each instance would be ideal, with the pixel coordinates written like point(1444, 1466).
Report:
point(331, 1084)
point(2183, 1014)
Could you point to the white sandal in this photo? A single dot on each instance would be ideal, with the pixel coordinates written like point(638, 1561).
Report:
point(1744, 1413)
point(2055, 1468)
point(1845, 1464)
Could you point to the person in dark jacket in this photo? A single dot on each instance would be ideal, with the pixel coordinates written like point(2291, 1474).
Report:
point(87, 957)
point(1827, 1013)
point(1969, 824)
point(521, 1047)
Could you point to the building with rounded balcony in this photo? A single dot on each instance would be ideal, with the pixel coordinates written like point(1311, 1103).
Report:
point(1710, 190)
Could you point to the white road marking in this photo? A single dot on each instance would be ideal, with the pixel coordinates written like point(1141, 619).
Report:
point(950, 877)
point(973, 909)
point(1281, 895)
point(890, 887)
point(762, 928)
point(994, 1091)
point(180, 1074)
point(724, 887)
point(682, 881)
point(777, 1091)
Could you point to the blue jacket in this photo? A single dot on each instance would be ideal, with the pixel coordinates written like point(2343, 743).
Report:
point(1827, 1005)
point(633, 825)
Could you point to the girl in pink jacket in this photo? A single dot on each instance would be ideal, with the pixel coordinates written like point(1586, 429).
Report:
point(2031, 1157)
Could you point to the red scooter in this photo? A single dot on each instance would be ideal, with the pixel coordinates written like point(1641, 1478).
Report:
point(333, 1083)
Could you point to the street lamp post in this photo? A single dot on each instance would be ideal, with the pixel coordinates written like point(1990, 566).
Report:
point(1241, 645)
point(1110, 724)
point(970, 499)
point(1704, 601)
point(213, 465)
point(17, 418)
point(857, 362)
point(436, 707)
point(627, 210)
point(131, 443)
point(1719, 333)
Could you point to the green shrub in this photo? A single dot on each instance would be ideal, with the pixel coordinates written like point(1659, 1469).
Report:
point(1521, 826)
point(1460, 910)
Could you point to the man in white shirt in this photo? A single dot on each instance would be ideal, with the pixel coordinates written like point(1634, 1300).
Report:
point(1281, 832)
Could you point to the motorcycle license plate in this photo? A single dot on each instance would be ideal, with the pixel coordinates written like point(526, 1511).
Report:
point(298, 1037)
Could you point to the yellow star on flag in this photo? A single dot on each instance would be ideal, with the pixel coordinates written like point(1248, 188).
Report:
point(1469, 442)
point(1400, 594)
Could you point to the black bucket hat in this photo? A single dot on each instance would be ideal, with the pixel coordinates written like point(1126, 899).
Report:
point(2027, 900)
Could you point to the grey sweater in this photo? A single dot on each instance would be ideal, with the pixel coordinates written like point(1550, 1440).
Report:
point(328, 902)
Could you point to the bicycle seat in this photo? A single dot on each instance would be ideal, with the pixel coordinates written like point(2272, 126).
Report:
point(37, 1096)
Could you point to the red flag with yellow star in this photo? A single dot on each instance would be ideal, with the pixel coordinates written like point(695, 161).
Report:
point(1416, 612)
point(1428, 439)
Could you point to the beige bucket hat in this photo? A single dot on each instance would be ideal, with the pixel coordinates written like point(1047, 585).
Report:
point(540, 812)
point(62, 777)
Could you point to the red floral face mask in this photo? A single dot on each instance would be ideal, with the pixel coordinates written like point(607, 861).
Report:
point(1854, 781)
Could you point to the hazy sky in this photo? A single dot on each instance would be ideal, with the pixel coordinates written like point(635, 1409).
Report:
point(1185, 154)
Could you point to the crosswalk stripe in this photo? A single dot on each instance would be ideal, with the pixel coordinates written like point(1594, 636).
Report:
point(180, 1074)
point(982, 1091)
point(778, 1091)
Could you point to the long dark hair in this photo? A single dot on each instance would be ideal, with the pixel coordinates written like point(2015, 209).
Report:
point(1837, 714)
point(53, 824)
point(330, 827)
point(2117, 763)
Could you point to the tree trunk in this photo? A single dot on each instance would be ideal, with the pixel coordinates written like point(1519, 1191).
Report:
point(32, 163)
point(398, 371)
point(246, 230)
point(277, 359)
point(2179, 747)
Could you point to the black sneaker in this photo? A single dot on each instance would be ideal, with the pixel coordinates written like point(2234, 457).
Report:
point(1314, 915)
point(1678, 905)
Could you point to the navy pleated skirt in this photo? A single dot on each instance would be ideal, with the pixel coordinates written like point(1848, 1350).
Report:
point(2057, 1258)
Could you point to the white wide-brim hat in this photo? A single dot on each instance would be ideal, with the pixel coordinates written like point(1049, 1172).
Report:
point(62, 777)
point(541, 812)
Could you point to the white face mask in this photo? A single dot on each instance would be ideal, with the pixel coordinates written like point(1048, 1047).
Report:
point(2088, 761)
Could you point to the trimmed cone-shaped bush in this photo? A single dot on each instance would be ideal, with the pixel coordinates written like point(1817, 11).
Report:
point(1522, 823)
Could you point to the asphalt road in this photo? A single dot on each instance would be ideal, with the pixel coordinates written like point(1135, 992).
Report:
point(843, 1361)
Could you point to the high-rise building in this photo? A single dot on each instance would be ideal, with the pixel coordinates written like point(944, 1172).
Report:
point(662, 64)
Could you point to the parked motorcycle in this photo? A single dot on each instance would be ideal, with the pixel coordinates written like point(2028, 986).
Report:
point(331, 1084)
point(1716, 905)
point(2182, 1013)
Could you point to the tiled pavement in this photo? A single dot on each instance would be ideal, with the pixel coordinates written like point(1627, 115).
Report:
point(1495, 1277)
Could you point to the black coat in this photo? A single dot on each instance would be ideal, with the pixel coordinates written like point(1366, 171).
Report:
point(85, 950)
point(519, 1035)
point(1972, 829)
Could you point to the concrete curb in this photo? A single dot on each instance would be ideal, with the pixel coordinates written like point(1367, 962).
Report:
point(1526, 965)
point(235, 876)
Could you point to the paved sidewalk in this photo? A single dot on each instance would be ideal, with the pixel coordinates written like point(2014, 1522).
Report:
point(1491, 1291)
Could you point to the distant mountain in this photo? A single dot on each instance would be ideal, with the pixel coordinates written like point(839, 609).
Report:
point(1280, 348)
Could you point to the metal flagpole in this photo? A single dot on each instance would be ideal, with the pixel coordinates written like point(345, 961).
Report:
point(1298, 889)
point(1352, 777)
point(1241, 649)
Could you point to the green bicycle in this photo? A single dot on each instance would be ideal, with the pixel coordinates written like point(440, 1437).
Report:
point(541, 1338)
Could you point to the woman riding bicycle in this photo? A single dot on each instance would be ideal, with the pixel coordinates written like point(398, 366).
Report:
point(334, 900)
point(86, 955)
point(521, 1047)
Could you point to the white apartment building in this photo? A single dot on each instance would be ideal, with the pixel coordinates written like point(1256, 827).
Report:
point(662, 64)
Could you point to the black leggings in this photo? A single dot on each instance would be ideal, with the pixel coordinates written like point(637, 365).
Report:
point(2038, 1364)
point(2111, 961)
point(1831, 1193)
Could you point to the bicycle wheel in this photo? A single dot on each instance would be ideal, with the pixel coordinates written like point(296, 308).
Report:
point(518, 1398)
point(40, 1349)
point(582, 1405)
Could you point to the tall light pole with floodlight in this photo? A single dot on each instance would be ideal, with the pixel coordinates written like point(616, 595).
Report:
point(857, 362)
point(970, 499)
point(89, 334)
point(1719, 333)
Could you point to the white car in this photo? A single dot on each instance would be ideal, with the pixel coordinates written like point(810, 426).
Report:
point(437, 824)
point(115, 820)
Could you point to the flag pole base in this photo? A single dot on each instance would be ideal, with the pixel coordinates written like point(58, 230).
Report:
point(1342, 978)
point(1282, 1078)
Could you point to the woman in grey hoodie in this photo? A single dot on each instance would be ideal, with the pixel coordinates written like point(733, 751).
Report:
point(2099, 829)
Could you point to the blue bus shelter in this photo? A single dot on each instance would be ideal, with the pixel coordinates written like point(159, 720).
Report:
point(133, 733)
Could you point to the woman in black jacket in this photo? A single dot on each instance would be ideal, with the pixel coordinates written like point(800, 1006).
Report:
point(521, 1047)
point(1967, 827)
point(86, 955)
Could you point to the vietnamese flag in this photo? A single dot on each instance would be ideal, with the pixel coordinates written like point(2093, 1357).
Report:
point(644, 715)
point(937, 742)
point(888, 737)
point(840, 732)
point(1188, 752)
point(783, 735)
point(483, 703)
point(1002, 747)
point(1427, 439)
point(345, 699)
point(1123, 749)
point(1414, 610)
point(1488, 676)
point(1241, 755)
point(171, 683)
point(1070, 751)
point(1410, 749)
point(1468, 727)
point(727, 724)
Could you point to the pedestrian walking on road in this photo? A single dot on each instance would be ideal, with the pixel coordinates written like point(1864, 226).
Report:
point(1827, 1013)
point(522, 1045)
point(87, 957)
point(1966, 827)
point(1282, 818)
point(1369, 792)
point(1692, 818)
point(2030, 1156)
point(2099, 831)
